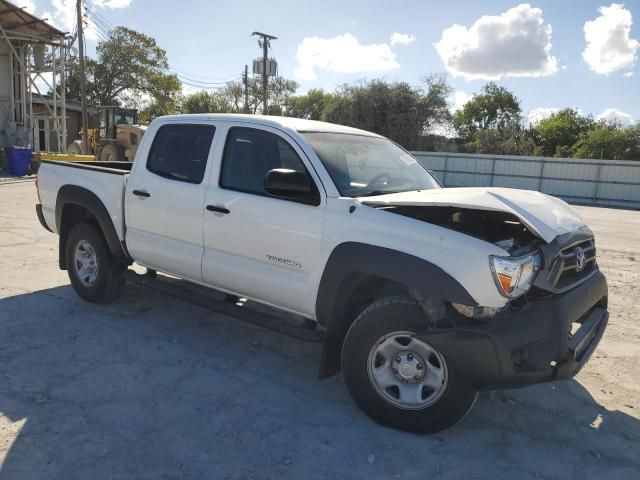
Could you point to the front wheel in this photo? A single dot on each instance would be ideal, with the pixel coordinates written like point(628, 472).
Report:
point(94, 273)
point(397, 379)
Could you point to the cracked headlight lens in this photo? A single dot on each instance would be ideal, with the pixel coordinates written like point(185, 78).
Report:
point(471, 311)
point(514, 276)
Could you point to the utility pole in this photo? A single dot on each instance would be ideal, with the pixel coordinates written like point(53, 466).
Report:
point(264, 43)
point(83, 87)
point(245, 79)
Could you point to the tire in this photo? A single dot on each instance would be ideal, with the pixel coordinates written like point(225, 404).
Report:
point(75, 148)
point(379, 327)
point(85, 244)
point(111, 152)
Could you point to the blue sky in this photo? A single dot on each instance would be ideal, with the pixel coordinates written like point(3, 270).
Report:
point(536, 49)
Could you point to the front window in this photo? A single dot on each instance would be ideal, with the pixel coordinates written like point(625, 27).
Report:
point(362, 165)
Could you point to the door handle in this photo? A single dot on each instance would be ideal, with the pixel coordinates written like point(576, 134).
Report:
point(141, 193)
point(213, 208)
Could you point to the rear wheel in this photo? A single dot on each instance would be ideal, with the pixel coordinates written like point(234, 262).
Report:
point(397, 379)
point(94, 273)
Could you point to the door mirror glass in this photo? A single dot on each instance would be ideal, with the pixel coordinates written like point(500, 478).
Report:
point(287, 183)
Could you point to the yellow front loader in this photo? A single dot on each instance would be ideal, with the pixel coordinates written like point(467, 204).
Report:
point(115, 140)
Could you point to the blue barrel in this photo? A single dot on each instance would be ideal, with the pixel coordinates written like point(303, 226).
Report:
point(18, 159)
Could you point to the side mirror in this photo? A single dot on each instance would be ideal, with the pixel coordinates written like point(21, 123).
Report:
point(286, 183)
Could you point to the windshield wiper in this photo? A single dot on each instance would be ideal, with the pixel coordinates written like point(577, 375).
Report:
point(373, 193)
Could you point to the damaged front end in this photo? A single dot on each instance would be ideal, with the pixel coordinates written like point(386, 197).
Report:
point(533, 267)
point(500, 228)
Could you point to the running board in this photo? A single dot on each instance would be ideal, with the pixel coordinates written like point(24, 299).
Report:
point(270, 322)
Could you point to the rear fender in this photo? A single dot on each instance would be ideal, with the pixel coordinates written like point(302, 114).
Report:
point(89, 201)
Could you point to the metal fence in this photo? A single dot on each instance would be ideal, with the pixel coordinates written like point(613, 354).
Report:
point(611, 183)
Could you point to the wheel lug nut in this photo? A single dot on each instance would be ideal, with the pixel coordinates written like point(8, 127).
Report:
point(410, 356)
point(419, 366)
point(398, 359)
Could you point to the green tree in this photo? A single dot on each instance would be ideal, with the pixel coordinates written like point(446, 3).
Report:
point(309, 106)
point(557, 134)
point(279, 90)
point(130, 70)
point(396, 110)
point(609, 141)
point(205, 102)
point(494, 107)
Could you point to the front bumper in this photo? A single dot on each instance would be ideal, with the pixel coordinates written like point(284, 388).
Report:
point(531, 345)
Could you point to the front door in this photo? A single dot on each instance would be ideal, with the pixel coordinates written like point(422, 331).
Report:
point(257, 245)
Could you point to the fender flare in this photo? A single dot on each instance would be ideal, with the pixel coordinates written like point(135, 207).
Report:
point(428, 283)
point(75, 195)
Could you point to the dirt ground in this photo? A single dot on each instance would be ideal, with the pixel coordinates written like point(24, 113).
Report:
point(152, 387)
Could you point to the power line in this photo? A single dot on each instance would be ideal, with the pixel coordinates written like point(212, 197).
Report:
point(104, 20)
point(227, 46)
point(209, 87)
point(101, 31)
point(196, 75)
point(224, 43)
point(99, 26)
point(224, 82)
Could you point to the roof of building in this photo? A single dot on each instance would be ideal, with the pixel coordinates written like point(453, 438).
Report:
point(18, 20)
point(297, 124)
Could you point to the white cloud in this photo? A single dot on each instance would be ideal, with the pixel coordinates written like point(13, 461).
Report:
point(611, 115)
point(628, 74)
point(64, 14)
point(536, 115)
point(609, 46)
point(112, 4)
point(402, 38)
point(460, 98)
point(344, 54)
point(29, 4)
point(516, 43)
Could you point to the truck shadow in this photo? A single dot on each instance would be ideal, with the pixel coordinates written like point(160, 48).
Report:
point(153, 387)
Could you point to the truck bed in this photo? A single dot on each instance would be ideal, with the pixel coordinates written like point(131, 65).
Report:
point(106, 180)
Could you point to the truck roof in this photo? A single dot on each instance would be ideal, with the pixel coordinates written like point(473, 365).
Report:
point(297, 124)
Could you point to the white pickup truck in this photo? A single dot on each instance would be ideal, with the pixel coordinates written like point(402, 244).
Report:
point(425, 294)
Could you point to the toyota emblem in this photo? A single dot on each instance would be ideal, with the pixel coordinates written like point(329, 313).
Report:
point(580, 259)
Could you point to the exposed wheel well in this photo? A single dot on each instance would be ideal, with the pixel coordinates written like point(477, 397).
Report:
point(366, 289)
point(357, 292)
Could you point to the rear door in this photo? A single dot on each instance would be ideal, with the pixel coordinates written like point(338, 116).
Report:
point(257, 245)
point(164, 199)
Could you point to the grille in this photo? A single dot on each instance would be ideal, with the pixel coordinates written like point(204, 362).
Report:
point(567, 269)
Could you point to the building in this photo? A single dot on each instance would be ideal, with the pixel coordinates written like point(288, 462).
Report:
point(32, 81)
point(45, 136)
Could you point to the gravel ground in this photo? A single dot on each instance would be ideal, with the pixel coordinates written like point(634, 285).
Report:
point(150, 387)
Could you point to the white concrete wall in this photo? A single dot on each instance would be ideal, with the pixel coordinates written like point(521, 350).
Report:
point(614, 183)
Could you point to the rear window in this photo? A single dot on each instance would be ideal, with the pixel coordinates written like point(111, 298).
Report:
point(180, 152)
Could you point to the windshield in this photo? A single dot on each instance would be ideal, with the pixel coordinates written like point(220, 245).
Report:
point(361, 166)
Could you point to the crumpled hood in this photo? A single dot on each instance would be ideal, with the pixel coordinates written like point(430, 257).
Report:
point(544, 215)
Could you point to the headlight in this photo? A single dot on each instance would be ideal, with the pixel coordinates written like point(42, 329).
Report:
point(514, 276)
